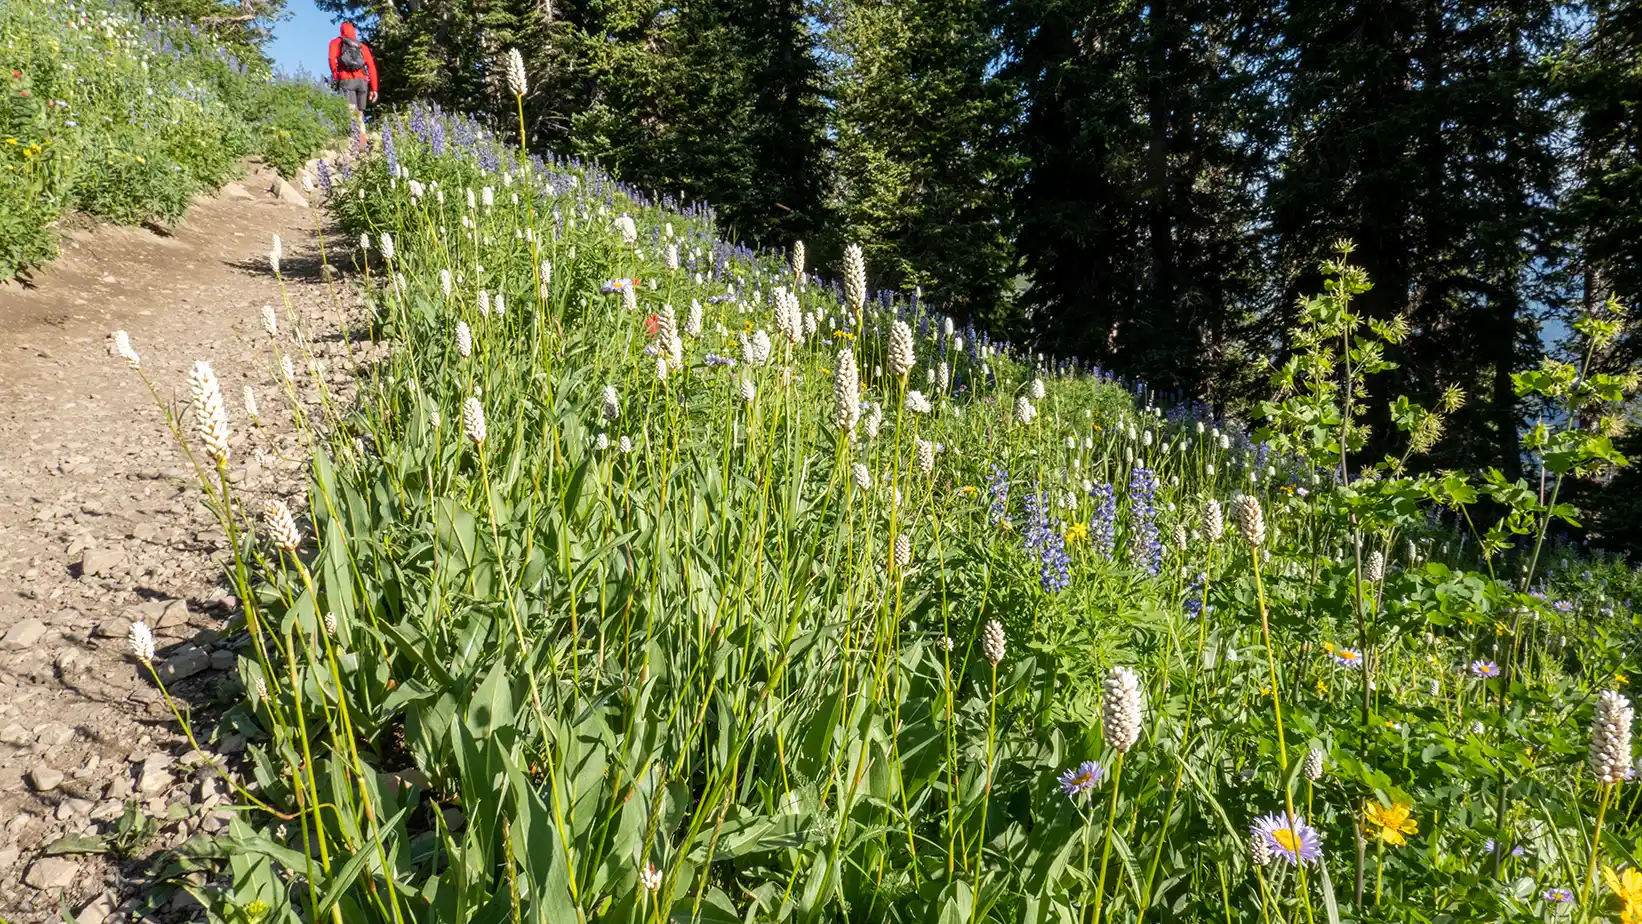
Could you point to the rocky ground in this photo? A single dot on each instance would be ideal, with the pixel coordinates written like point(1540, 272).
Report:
point(102, 524)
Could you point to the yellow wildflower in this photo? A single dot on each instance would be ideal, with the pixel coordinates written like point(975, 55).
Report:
point(1321, 687)
point(1078, 532)
point(1627, 884)
point(1393, 823)
point(1621, 678)
point(969, 490)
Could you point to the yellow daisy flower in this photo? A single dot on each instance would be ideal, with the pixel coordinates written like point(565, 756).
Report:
point(1393, 822)
point(1627, 884)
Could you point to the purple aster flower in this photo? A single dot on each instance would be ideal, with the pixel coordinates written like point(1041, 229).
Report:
point(1288, 838)
point(1348, 657)
point(1484, 669)
point(1082, 778)
point(1562, 606)
point(1559, 895)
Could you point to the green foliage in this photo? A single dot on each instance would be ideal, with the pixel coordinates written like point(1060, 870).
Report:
point(642, 647)
point(911, 94)
point(128, 120)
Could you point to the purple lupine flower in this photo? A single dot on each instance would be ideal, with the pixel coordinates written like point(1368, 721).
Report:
point(1194, 596)
point(713, 359)
point(1103, 525)
point(1046, 544)
point(387, 150)
point(998, 487)
point(1145, 549)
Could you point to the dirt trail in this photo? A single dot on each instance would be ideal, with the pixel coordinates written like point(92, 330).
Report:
point(101, 524)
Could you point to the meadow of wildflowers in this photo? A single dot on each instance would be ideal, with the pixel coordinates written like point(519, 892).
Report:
point(125, 118)
point(656, 579)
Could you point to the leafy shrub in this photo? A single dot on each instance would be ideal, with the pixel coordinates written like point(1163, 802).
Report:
point(127, 118)
point(24, 239)
point(293, 128)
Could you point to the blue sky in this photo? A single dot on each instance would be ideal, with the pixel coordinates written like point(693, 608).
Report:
point(300, 42)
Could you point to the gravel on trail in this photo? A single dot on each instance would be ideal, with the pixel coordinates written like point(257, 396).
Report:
point(102, 524)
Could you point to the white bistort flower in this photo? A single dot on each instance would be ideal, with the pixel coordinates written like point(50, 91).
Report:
point(855, 278)
point(516, 72)
point(901, 354)
point(1611, 737)
point(846, 393)
point(210, 412)
point(473, 420)
point(1120, 709)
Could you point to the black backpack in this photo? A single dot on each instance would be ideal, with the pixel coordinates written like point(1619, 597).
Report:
point(351, 57)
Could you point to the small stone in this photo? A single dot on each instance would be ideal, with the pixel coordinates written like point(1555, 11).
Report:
point(53, 734)
point(114, 627)
point(96, 911)
point(51, 873)
point(289, 194)
point(108, 809)
point(23, 634)
point(118, 788)
point(222, 660)
point(72, 808)
point(17, 735)
point(155, 776)
point(45, 779)
point(175, 613)
point(184, 664)
point(100, 561)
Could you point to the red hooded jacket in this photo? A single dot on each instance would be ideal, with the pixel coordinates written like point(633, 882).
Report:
point(336, 49)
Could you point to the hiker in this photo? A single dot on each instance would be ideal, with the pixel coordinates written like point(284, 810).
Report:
point(353, 72)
